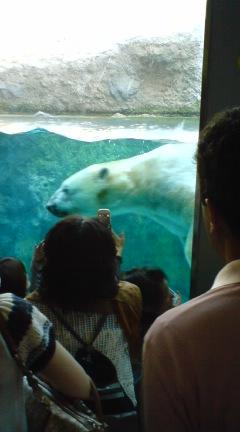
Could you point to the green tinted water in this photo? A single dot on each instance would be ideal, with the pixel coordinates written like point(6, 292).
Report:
point(39, 152)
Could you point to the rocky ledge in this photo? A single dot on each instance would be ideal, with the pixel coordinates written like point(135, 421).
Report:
point(158, 76)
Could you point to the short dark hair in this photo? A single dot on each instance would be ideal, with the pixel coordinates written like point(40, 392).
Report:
point(153, 290)
point(13, 276)
point(149, 280)
point(80, 263)
point(218, 161)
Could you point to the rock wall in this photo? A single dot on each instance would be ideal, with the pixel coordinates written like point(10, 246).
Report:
point(158, 76)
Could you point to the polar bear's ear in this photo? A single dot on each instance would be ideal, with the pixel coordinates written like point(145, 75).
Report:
point(103, 173)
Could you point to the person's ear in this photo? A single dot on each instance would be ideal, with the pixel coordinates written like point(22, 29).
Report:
point(211, 216)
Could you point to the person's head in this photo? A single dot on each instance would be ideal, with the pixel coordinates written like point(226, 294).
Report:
point(153, 283)
point(80, 263)
point(13, 277)
point(218, 162)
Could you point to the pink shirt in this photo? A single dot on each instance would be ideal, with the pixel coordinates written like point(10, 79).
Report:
point(191, 362)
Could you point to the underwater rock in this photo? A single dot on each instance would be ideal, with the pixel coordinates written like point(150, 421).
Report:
point(157, 76)
point(158, 185)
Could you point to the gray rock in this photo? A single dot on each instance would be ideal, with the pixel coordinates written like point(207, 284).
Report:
point(158, 76)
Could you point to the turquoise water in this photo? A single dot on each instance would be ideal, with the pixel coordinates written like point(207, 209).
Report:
point(39, 152)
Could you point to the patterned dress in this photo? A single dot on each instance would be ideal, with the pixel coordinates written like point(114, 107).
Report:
point(35, 342)
point(111, 341)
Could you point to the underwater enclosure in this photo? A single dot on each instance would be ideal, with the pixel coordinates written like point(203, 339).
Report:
point(38, 160)
point(123, 100)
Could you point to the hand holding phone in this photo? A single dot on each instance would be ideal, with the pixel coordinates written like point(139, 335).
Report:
point(104, 216)
point(119, 242)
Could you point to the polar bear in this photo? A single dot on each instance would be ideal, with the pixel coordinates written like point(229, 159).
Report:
point(159, 184)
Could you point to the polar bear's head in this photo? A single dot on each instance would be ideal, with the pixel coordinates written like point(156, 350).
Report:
point(97, 186)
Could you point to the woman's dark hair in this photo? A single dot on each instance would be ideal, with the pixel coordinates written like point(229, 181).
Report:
point(80, 263)
point(218, 160)
point(13, 276)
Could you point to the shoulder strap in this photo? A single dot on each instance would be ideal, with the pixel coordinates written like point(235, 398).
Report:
point(74, 333)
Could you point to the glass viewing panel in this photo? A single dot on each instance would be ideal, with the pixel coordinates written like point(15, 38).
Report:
point(103, 82)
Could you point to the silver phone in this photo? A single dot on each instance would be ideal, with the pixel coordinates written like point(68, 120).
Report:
point(104, 216)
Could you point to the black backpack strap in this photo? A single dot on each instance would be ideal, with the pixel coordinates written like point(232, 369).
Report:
point(74, 333)
point(113, 396)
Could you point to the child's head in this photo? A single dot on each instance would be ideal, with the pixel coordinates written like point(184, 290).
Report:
point(13, 277)
point(153, 283)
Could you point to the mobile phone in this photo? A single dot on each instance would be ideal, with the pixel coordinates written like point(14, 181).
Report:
point(176, 297)
point(104, 216)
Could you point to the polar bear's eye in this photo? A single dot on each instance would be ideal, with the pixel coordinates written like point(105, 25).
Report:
point(103, 173)
point(65, 189)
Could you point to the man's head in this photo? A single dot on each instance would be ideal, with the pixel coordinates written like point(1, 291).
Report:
point(218, 159)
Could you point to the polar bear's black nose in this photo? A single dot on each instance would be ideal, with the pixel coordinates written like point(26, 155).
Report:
point(52, 208)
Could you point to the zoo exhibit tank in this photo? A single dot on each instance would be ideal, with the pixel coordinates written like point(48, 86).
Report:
point(41, 151)
point(106, 81)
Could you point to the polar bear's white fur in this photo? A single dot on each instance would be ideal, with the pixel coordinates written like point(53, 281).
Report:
point(159, 184)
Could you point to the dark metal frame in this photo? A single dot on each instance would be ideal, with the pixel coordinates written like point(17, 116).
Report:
point(220, 90)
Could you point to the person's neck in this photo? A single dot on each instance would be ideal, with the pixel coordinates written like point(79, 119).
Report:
point(231, 250)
